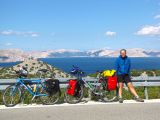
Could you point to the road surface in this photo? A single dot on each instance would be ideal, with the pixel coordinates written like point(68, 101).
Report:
point(86, 111)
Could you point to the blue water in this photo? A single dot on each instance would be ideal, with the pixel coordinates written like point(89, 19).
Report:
point(92, 64)
point(8, 64)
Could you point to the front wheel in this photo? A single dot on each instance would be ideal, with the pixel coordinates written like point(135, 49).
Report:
point(49, 99)
point(109, 95)
point(77, 97)
point(12, 96)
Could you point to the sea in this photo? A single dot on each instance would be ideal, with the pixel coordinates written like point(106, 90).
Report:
point(92, 64)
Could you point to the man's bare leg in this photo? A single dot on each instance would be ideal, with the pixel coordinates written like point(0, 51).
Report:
point(120, 85)
point(133, 91)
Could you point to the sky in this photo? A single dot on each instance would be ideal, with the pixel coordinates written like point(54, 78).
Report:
point(79, 24)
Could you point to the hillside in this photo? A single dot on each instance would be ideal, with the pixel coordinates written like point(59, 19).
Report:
point(13, 55)
point(33, 65)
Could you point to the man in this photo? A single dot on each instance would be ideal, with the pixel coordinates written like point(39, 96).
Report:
point(123, 66)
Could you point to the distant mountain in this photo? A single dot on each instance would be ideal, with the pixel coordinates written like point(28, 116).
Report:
point(135, 52)
point(12, 55)
point(67, 53)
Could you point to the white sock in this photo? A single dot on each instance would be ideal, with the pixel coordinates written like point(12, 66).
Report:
point(120, 96)
point(137, 96)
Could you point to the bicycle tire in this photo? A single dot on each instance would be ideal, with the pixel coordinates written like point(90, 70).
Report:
point(49, 99)
point(74, 99)
point(17, 96)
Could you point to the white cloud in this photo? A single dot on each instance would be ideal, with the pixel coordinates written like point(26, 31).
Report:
point(110, 33)
point(32, 34)
point(8, 44)
point(19, 33)
point(149, 30)
point(6, 32)
point(157, 17)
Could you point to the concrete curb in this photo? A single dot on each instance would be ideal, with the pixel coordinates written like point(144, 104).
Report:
point(20, 106)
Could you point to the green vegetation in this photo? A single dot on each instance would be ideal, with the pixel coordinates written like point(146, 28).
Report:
point(153, 92)
point(1, 93)
point(148, 72)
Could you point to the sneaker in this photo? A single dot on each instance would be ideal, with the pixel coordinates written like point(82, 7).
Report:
point(139, 99)
point(120, 100)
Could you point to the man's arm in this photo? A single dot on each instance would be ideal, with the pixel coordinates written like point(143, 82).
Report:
point(116, 66)
point(129, 67)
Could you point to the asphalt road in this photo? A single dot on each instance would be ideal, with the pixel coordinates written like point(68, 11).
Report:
point(134, 111)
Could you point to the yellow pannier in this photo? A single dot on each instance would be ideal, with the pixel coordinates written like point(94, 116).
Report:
point(108, 73)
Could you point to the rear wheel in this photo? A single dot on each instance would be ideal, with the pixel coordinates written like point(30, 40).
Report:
point(12, 96)
point(49, 99)
point(72, 99)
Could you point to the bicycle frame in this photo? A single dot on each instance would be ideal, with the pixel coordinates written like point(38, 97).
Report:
point(93, 86)
point(20, 81)
point(87, 84)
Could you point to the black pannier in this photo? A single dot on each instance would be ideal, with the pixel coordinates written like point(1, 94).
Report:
point(52, 86)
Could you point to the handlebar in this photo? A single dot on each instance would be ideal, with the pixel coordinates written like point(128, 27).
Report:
point(20, 74)
point(76, 71)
